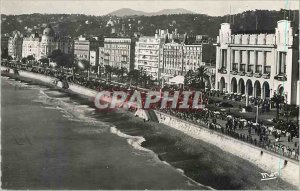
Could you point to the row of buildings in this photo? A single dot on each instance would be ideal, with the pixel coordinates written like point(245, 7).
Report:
point(258, 64)
point(163, 55)
point(37, 45)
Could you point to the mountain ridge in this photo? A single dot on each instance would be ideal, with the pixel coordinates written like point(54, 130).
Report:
point(130, 12)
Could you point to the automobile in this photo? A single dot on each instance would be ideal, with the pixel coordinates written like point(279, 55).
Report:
point(224, 104)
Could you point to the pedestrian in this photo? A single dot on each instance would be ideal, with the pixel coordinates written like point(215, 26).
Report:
point(288, 134)
point(249, 130)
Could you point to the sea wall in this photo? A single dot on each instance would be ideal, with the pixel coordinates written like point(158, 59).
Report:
point(47, 79)
point(264, 159)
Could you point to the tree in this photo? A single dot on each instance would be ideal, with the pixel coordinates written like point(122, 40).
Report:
point(108, 71)
point(189, 78)
point(24, 60)
point(30, 57)
point(134, 75)
point(290, 111)
point(95, 68)
point(61, 59)
point(4, 53)
point(277, 99)
point(201, 74)
point(9, 57)
point(120, 73)
point(44, 60)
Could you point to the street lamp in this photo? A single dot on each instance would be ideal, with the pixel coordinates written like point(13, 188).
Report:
point(257, 105)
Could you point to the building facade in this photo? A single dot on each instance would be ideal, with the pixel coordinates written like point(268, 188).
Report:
point(43, 46)
point(48, 42)
point(15, 45)
point(179, 58)
point(147, 55)
point(4, 41)
point(83, 47)
point(258, 65)
point(94, 57)
point(31, 46)
point(119, 52)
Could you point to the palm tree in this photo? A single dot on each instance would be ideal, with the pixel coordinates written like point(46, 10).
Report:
point(189, 78)
point(277, 99)
point(121, 72)
point(201, 74)
point(108, 71)
point(134, 75)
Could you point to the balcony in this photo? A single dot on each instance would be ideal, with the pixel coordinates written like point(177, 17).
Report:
point(241, 73)
point(222, 71)
point(234, 72)
point(266, 76)
point(249, 73)
point(257, 75)
point(280, 77)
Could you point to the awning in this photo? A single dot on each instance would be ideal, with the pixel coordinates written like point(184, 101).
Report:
point(177, 80)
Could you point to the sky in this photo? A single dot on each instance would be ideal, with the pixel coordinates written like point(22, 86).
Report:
point(101, 7)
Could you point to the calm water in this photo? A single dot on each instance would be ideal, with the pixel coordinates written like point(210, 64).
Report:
point(55, 140)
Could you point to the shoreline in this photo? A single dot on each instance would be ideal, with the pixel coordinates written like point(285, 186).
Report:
point(134, 141)
point(47, 80)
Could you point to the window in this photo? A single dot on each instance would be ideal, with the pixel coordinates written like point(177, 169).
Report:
point(224, 58)
point(282, 63)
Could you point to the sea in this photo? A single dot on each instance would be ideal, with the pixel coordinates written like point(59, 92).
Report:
point(56, 139)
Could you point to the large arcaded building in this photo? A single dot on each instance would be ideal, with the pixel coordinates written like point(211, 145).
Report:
point(259, 65)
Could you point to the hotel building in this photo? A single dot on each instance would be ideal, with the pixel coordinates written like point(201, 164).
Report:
point(31, 46)
point(15, 45)
point(179, 58)
point(147, 55)
point(42, 47)
point(119, 52)
point(83, 47)
point(259, 65)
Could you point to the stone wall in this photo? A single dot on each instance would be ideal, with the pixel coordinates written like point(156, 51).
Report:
point(258, 156)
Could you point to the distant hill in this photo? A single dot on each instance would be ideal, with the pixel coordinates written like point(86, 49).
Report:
point(171, 12)
point(130, 12)
point(126, 12)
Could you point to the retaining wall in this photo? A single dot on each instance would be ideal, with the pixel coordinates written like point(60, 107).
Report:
point(266, 160)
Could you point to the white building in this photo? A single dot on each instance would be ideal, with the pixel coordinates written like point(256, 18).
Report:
point(15, 45)
point(48, 42)
point(119, 52)
point(40, 47)
point(31, 46)
point(179, 58)
point(147, 55)
point(258, 65)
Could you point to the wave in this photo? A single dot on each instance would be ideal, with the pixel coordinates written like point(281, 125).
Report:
point(71, 110)
point(16, 83)
point(134, 141)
